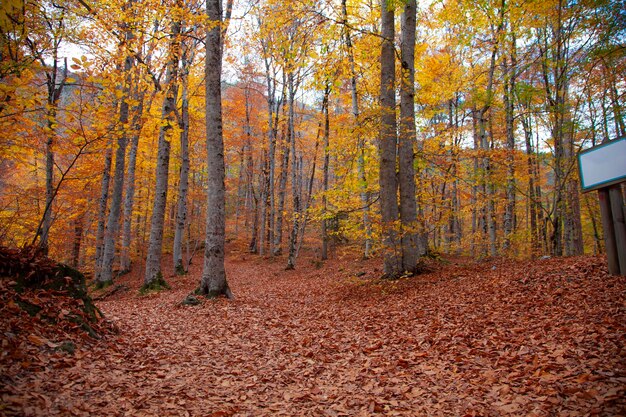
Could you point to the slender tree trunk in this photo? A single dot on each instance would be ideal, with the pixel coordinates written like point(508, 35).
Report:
point(532, 197)
point(509, 91)
point(55, 85)
point(129, 198)
point(282, 179)
point(213, 282)
point(183, 183)
point(102, 209)
point(47, 217)
point(112, 227)
point(387, 145)
point(295, 224)
point(267, 193)
point(487, 183)
point(325, 171)
point(78, 238)
point(364, 194)
point(153, 275)
point(408, 206)
point(475, 243)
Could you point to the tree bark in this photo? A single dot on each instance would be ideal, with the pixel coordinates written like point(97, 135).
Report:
point(406, 152)
point(102, 209)
point(282, 179)
point(55, 86)
point(387, 145)
point(183, 183)
point(508, 98)
point(364, 194)
point(129, 198)
point(155, 243)
point(295, 224)
point(213, 282)
point(325, 169)
point(113, 222)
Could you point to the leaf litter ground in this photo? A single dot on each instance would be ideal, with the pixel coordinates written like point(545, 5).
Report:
point(544, 337)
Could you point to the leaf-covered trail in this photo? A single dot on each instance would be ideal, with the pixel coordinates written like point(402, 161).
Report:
point(520, 338)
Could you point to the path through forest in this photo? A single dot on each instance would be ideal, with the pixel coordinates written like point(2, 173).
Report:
point(519, 338)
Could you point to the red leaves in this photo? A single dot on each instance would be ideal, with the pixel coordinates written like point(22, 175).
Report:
point(529, 338)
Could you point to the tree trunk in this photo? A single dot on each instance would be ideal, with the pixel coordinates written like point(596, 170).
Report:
point(213, 282)
point(78, 238)
point(487, 183)
point(325, 172)
point(55, 89)
point(364, 194)
point(183, 183)
point(295, 224)
point(129, 198)
point(267, 193)
point(112, 227)
point(406, 178)
point(509, 91)
point(532, 197)
point(153, 275)
point(387, 145)
point(102, 209)
point(282, 182)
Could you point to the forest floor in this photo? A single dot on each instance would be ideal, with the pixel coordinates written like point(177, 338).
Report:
point(544, 337)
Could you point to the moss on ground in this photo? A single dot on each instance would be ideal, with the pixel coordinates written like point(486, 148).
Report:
point(156, 285)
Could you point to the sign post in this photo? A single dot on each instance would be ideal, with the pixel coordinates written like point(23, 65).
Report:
point(603, 168)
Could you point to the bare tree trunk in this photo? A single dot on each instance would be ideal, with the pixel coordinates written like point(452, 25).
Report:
point(387, 145)
point(487, 184)
point(213, 282)
point(78, 238)
point(282, 181)
point(55, 83)
point(102, 210)
point(364, 194)
point(47, 217)
point(183, 184)
point(153, 275)
point(112, 227)
point(475, 244)
point(509, 91)
point(325, 172)
point(129, 198)
point(532, 197)
point(406, 178)
point(295, 224)
point(267, 192)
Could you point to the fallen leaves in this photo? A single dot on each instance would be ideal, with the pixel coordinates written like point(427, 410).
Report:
point(526, 338)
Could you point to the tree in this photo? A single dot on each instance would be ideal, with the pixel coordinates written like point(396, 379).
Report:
point(411, 249)
point(105, 275)
point(153, 276)
point(387, 145)
point(213, 282)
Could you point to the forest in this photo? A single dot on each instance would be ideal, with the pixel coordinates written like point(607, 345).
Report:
point(309, 207)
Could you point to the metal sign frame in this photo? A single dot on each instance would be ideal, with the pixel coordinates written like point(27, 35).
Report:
point(620, 145)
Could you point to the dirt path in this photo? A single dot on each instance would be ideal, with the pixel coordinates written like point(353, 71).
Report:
point(531, 338)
